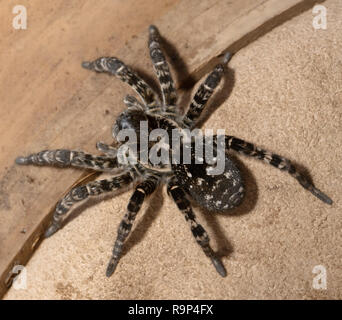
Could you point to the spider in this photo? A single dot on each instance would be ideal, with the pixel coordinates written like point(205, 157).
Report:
point(185, 182)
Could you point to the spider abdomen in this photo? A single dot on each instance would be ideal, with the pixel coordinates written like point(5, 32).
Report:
point(214, 192)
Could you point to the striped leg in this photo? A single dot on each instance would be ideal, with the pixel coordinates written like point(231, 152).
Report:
point(68, 158)
point(204, 92)
point(197, 230)
point(132, 103)
point(276, 161)
point(107, 149)
point(117, 68)
point(80, 193)
point(142, 190)
point(163, 72)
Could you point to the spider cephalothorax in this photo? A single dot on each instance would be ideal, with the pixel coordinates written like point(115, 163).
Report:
point(184, 180)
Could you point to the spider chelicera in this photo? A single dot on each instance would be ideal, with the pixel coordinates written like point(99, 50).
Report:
point(184, 181)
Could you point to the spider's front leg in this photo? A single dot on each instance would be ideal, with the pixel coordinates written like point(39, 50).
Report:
point(163, 72)
point(275, 160)
point(81, 193)
point(204, 92)
point(107, 149)
point(117, 68)
point(142, 190)
point(69, 158)
point(201, 236)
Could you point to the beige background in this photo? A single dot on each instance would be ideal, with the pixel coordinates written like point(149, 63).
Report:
point(286, 97)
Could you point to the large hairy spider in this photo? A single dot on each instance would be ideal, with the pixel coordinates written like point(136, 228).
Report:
point(184, 181)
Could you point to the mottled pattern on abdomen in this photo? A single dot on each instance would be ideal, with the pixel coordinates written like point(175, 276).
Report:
point(213, 192)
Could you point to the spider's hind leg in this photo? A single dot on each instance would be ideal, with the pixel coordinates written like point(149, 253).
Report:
point(277, 161)
point(142, 190)
point(201, 236)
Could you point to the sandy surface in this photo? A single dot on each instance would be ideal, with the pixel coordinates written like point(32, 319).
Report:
point(286, 97)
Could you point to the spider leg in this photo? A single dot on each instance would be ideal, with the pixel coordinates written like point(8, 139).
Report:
point(163, 72)
point(133, 103)
point(197, 230)
point(204, 92)
point(69, 158)
point(107, 149)
point(81, 193)
point(117, 68)
point(275, 160)
point(142, 190)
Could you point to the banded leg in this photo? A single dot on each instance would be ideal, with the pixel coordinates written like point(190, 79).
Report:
point(107, 149)
point(132, 103)
point(197, 230)
point(142, 190)
point(68, 158)
point(163, 72)
point(275, 160)
point(81, 193)
point(117, 68)
point(204, 92)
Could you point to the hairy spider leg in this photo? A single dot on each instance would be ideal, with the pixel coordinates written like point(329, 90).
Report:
point(117, 68)
point(201, 236)
point(163, 73)
point(275, 160)
point(132, 103)
point(142, 190)
point(204, 92)
point(80, 193)
point(69, 158)
point(107, 149)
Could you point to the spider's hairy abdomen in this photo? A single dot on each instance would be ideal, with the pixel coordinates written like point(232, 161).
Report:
point(215, 192)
